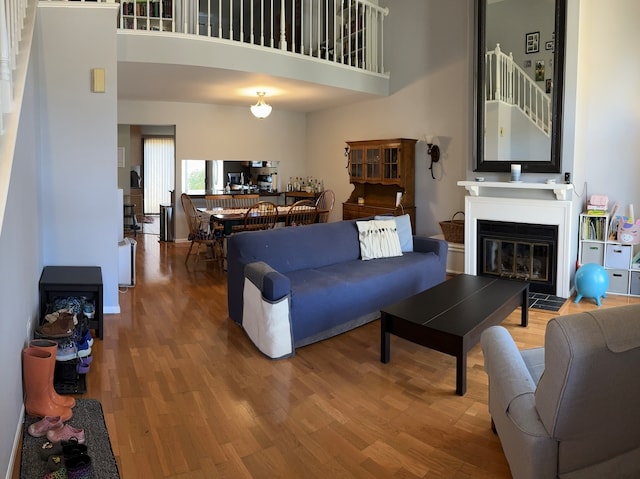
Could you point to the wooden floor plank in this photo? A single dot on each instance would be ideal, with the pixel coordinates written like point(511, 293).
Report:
point(185, 393)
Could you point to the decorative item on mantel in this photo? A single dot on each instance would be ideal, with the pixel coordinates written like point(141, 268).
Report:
point(515, 173)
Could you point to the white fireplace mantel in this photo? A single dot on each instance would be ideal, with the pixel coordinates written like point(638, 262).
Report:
point(522, 203)
point(562, 191)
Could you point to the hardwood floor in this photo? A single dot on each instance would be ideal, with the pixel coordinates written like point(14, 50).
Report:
point(186, 395)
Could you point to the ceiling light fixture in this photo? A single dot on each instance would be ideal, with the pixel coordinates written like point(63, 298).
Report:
point(261, 109)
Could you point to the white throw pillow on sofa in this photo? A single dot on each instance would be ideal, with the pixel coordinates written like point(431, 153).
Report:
point(403, 225)
point(378, 239)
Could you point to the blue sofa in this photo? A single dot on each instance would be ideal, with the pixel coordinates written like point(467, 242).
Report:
point(290, 287)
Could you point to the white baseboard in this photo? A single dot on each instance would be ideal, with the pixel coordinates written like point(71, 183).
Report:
point(17, 441)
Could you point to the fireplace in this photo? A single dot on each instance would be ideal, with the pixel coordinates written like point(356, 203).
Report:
point(540, 204)
point(521, 251)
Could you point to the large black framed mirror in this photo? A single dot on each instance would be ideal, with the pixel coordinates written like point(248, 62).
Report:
point(519, 67)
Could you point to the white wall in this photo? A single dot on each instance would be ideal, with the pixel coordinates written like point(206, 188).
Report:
point(78, 141)
point(427, 51)
point(20, 268)
point(607, 139)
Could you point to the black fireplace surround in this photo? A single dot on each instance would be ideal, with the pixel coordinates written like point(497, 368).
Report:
point(520, 251)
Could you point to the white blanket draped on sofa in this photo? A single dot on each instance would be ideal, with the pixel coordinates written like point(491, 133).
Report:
point(267, 323)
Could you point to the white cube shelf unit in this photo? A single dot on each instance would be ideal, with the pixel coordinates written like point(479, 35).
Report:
point(598, 244)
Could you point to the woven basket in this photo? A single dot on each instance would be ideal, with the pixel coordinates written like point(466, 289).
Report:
point(453, 229)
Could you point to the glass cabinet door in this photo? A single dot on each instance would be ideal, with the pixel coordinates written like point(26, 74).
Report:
point(373, 163)
point(390, 164)
point(357, 163)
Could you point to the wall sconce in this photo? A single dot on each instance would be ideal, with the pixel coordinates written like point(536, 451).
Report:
point(261, 109)
point(434, 152)
point(346, 154)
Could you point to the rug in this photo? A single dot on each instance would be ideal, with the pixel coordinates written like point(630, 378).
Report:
point(546, 302)
point(87, 415)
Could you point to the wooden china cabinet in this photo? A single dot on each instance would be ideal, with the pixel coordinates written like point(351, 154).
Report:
point(379, 170)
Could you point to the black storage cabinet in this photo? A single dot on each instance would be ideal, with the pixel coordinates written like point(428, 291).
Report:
point(84, 281)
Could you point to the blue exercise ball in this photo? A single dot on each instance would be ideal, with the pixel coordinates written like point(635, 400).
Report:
point(592, 281)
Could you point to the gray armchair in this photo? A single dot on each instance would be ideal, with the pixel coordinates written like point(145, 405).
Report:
point(571, 409)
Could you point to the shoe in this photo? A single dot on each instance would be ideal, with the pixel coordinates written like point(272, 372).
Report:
point(49, 449)
point(83, 365)
point(67, 350)
point(83, 349)
point(40, 428)
point(72, 449)
point(62, 328)
point(36, 375)
point(88, 309)
point(83, 336)
point(66, 452)
point(59, 474)
point(82, 328)
point(51, 317)
point(52, 347)
point(79, 467)
point(66, 433)
point(55, 462)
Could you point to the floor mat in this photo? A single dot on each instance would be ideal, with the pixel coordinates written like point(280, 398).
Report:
point(87, 415)
point(547, 302)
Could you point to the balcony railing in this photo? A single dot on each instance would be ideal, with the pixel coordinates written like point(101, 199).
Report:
point(345, 32)
point(341, 31)
point(349, 32)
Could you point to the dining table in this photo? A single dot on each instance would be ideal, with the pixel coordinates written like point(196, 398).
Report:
point(234, 216)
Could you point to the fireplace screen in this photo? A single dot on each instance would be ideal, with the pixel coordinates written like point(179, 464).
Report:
point(516, 259)
point(518, 251)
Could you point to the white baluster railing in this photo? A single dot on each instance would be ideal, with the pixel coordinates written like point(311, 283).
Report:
point(12, 15)
point(13, 72)
point(348, 32)
point(341, 31)
point(507, 82)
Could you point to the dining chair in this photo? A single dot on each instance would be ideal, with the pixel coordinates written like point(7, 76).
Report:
point(325, 203)
point(303, 212)
point(200, 233)
point(219, 201)
point(245, 201)
point(260, 216)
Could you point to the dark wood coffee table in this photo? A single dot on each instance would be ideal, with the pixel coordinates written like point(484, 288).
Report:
point(451, 316)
